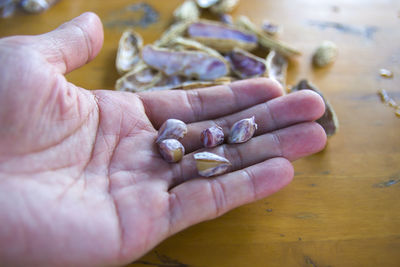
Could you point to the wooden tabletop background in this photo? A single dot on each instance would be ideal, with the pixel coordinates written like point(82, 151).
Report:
point(343, 207)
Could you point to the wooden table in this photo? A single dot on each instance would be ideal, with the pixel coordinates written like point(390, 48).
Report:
point(343, 207)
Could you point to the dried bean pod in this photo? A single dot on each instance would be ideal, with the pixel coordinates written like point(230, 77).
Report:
point(209, 164)
point(175, 30)
point(141, 78)
point(277, 67)
point(246, 65)
point(264, 40)
point(171, 129)
point(212, 137)
point(192, 64)
point(188, 10)
point(128, 54)
point(171, 150)
point(329, 120)
point(242, 131)
point(189, 44)
point(220, 36)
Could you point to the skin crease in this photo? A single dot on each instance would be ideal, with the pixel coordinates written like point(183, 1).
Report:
point(81, 180)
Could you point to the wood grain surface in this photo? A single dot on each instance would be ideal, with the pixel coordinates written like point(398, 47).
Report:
point(343, 207)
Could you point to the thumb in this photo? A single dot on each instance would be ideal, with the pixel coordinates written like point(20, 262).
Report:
point(73, 44)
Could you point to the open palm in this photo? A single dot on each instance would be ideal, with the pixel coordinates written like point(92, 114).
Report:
point(81, 180)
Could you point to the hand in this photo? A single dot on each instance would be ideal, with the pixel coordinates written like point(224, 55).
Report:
point(81, 180)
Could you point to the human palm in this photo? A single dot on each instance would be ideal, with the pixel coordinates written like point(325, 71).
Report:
point(81, 180)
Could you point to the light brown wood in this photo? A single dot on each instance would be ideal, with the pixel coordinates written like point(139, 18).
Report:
point(343, 207)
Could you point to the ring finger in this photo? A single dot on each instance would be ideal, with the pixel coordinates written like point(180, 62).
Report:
point(291, 143)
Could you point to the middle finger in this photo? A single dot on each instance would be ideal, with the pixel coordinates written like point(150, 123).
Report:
point(272, 115)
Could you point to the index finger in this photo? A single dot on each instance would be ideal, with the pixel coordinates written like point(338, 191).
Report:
point(208, 103)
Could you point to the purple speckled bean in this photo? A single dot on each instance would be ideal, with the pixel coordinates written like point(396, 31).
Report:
point(242, 131)
point(171, 129)
point(212, 137)
point(171, 150)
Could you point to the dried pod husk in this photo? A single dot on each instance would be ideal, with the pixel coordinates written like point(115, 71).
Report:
point(128, 54)
point(224, 6)
point(36, 6)
point(171, 129)
point(8, 8)
point(192, 64)
point(329, 120)
point(188, 10)
point(264, 40)
point(171, 150)
point(212, 137)
point(220, 36)
point(210, 164)
point(270, 28)
point(246, 65)
point(189, 44)
point(206, 3)
point(242, 131)
point(325, 54)
point(185, 44)
point(175, 30)
point(277, 67)
point(141, 78)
